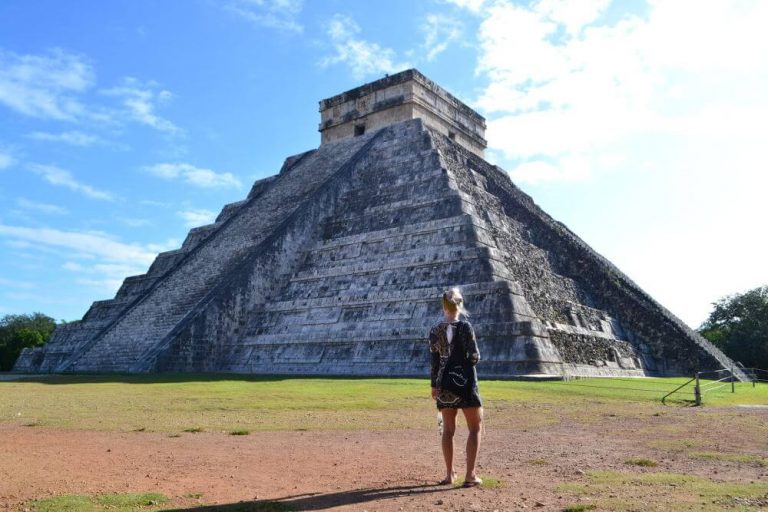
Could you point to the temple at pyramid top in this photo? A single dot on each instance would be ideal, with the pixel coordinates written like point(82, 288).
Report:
point(395, 98)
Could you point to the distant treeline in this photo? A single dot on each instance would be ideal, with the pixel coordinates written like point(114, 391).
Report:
point(739, 327)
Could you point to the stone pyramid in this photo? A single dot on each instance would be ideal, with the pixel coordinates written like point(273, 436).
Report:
point(336, 266)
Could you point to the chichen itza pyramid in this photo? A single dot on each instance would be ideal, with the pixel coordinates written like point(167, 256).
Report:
point(336, 265)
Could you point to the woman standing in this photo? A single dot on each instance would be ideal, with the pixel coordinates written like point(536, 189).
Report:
point(454, 382)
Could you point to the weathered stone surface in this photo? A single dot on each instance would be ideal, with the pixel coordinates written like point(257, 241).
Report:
point(396, 98)
point(336, 265)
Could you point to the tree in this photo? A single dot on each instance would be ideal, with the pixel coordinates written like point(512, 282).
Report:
point(20, 331)
point(739, 327)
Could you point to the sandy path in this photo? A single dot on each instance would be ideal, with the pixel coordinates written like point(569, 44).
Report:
point(362, 470)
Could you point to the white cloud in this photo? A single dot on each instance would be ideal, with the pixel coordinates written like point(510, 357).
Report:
point(74, 138)
point(573, 168)
point(45, 86)
point(197, 217)
point(6, 160)
point(364, 58)
point(97, 245)
point(158, 204)
point(135, 222)
point(278, 14)
point(197, 176)
point(140, 100)
point(566, 83)
point(104, 276)
point(474, 6)
point(53, 86)
point(109, 260)
point(63, 178)
point(440, 31)
point(50, 209)
point(573, 16)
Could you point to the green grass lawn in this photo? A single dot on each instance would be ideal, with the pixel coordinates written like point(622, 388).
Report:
point(176, 403)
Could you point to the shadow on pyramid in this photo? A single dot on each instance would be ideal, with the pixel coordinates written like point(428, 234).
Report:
point(336, 266)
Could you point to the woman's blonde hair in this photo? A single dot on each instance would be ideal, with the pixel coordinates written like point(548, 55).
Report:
point(453, 301)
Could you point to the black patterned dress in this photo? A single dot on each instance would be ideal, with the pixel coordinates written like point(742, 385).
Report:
point(441, 348)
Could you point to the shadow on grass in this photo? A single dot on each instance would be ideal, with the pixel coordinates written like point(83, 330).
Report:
point(168, 378)
point(318, 501)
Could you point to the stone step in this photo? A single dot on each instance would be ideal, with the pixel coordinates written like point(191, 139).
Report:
point(406, 264)
point(398, 209)
point(259, 186)
point(230, 209)
point(351, 224)
point(429, 179)
point(415, 228)
point(400, 312)
point(399, 280)
point(165, 261)
point(198, 234)
point(418, 330)
point(105, 310)
point(432, 242)
point(382, 262)
point(429, 293)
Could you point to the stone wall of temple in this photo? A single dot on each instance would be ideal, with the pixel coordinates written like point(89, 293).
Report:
point(406, 95)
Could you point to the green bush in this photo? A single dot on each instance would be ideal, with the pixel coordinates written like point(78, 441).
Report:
point(738, 325)
point(20, 331)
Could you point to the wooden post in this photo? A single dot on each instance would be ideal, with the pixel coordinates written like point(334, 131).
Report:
point(733, 382)
point(697, 390)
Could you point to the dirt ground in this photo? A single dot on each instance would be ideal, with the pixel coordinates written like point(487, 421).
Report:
point(375, 470)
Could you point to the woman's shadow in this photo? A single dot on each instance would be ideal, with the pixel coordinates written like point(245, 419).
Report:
point(319, 501)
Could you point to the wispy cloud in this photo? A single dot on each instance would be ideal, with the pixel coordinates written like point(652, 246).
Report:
point(197, 217)
point(109, 260)
point(364, 58)
point(97, 245)
point(440, 30)
point(49, 209)
point(46, 85)
point(74, 138)
point(158, 204)
point(134, 222)
point(63, 178)
point(57, 85)
point(14, 283)
point(140, 101)
point(277, 14)
point(474, 6)
point(6, 160)
point(104, 276)
point(197, 176)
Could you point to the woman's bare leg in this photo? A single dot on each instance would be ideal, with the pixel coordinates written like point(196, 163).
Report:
point(449, 428)
point(474, 417)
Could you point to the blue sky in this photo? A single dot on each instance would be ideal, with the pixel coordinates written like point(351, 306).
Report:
point(124, 123)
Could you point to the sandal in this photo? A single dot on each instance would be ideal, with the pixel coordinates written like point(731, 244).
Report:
point(447, 481)
point(472, 483)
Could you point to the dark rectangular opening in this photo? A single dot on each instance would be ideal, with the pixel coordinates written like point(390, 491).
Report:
point(359, 129)
point(452, 135)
